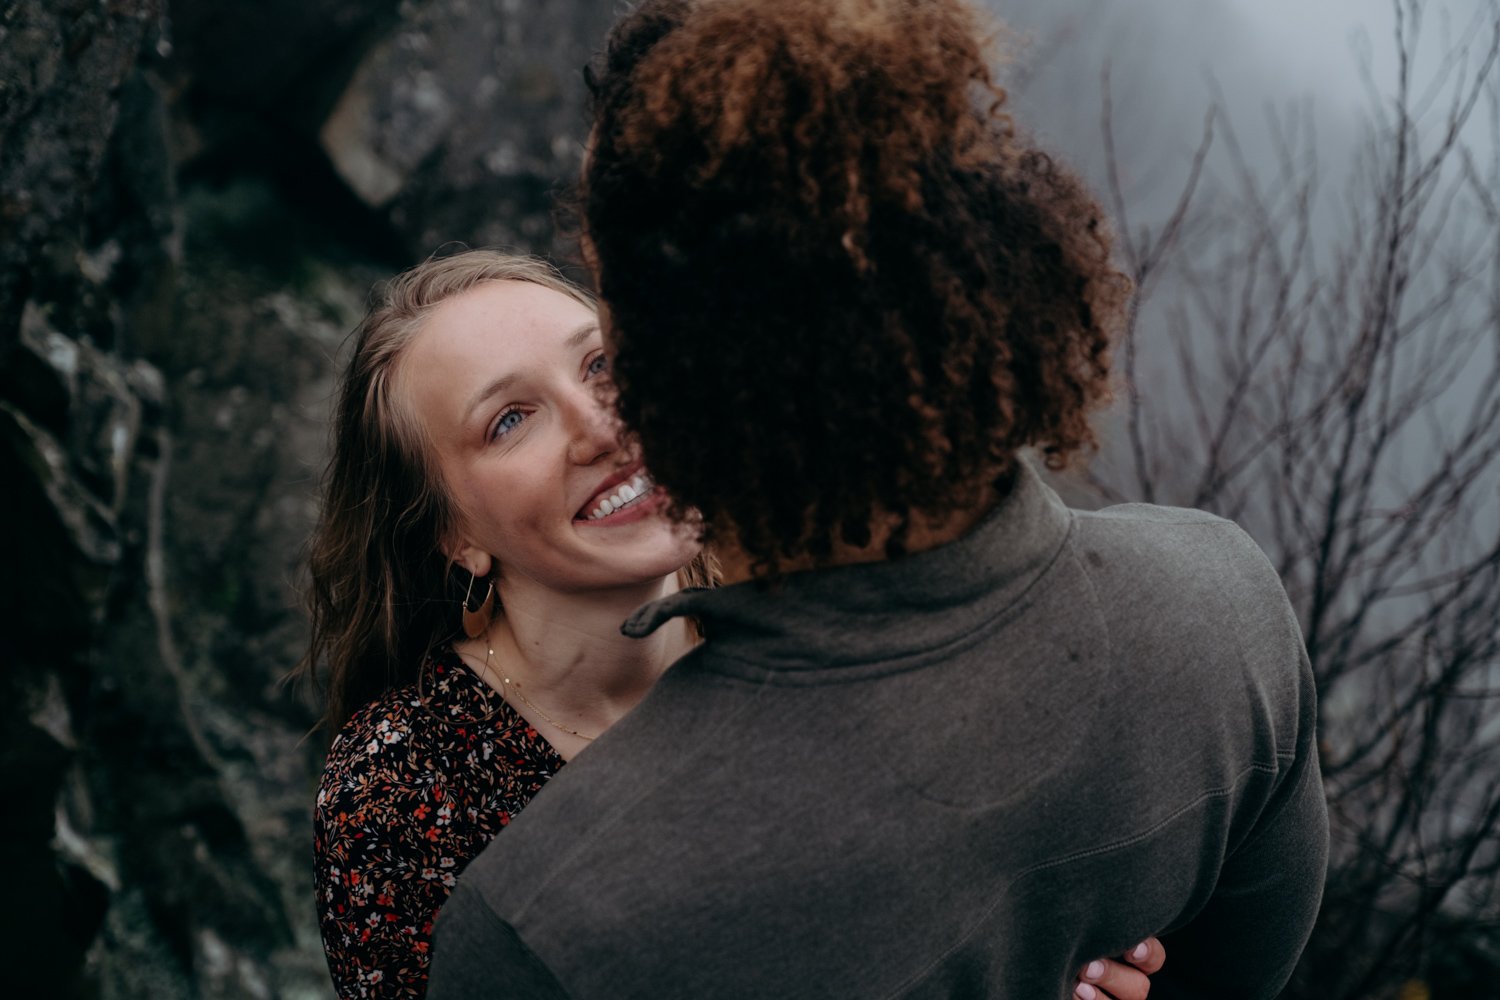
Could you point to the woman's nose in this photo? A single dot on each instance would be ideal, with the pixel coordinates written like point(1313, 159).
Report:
point(594, 431)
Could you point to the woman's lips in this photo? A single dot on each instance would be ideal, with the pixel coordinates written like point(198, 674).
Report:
point(648, 505)
point(620, 499)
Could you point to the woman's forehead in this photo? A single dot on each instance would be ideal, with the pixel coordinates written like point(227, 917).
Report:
point(477, 342)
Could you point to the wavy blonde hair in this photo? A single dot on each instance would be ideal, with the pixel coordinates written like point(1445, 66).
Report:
point(383, 593)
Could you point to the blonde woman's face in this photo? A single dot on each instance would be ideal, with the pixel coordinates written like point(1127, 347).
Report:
point(510, 381)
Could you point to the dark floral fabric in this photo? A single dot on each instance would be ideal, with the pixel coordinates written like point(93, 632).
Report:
point(415, 785)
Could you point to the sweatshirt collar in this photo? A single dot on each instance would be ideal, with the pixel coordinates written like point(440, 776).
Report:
point(885, 612)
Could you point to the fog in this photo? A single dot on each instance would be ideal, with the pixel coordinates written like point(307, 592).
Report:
point(1168, 58)
point(1325, 74)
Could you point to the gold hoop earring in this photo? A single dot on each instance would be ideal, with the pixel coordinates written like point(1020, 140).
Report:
point(477, 620)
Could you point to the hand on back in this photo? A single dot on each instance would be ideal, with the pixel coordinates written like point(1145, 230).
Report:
point(1125, 979)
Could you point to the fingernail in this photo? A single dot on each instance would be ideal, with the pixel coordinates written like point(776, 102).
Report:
point(1140, 951)
point(1085, 992)
point(1094, 970)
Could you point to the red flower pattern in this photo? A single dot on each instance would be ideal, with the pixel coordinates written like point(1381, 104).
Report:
point(384, 863)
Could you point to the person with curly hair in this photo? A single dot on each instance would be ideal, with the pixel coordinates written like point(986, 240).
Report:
point(484, 530)
point(845, 296)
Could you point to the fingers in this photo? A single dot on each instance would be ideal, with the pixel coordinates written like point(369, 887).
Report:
point(1106, 979)
point(1148, 956)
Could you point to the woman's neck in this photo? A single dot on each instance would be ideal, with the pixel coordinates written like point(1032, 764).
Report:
point(562, 663)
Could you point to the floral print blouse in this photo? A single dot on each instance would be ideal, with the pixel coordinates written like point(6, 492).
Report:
point(415, 785)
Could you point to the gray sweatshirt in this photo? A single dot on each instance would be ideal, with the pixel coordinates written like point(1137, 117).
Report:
point(962, 773)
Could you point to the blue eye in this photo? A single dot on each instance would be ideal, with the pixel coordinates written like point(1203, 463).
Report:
point(599, 365)
point(509, 421)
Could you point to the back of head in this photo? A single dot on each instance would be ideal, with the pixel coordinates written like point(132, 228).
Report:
point(839, 284)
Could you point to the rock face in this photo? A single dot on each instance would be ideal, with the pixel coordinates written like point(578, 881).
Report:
point(465, 106)
point(195, 197)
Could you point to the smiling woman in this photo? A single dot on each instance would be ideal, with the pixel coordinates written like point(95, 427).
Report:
point(485, 529)
point(510, 383)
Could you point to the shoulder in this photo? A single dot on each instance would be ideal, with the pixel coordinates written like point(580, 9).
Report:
point(372, 762)
point(1173, 546)
point(1193, 596)
point(1182, 525)
point(375, 738)
point(1187, 585)
point(447, 740)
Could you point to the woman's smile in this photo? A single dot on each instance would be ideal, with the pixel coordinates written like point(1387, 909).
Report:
point(512, 383)
point(631, 492)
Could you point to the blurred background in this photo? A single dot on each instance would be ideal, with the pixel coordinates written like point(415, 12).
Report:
point(196, 195)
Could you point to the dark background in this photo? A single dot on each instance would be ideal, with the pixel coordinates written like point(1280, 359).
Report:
point(195, 198)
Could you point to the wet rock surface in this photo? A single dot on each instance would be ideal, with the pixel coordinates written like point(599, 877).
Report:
point(463, 121)
point(195, 198)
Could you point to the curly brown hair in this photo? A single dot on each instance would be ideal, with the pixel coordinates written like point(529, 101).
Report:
point(840, 284)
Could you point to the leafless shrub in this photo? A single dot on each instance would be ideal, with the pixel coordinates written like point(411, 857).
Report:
point(1323, 365)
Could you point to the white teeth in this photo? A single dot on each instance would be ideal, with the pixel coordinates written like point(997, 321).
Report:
point(639, 485)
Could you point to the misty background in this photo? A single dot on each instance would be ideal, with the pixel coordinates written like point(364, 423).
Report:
point(196, 196)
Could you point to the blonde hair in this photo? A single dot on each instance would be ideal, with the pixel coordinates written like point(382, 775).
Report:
point(382, 595)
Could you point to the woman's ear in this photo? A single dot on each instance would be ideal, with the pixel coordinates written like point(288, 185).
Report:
point(478, 605)
point(475, 560)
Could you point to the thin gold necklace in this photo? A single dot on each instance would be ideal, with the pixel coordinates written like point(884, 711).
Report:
point(506, 682)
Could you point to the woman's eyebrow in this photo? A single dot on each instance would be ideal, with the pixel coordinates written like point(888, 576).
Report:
point(504, 382)
point(581, 334)
point(497, 385)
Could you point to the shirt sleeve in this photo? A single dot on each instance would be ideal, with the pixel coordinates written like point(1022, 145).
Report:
point(1247, 939)
point(379, 886)
point(479, 955)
